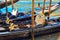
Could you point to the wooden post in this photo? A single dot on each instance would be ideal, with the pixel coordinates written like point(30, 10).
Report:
point(12, 4)
point(6, 8)
point(49, 9)
point(32, 19)
point(43, 7)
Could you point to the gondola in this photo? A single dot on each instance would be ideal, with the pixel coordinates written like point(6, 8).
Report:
point(52, 27)
point(4, 3)
point(23, 16)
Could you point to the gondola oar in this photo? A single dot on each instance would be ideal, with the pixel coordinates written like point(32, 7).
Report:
point(49, 9)
point(32, 19)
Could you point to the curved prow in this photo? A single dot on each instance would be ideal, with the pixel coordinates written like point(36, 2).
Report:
point(53, 8)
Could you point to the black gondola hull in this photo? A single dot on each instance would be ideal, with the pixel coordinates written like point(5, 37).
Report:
point(2, 5)
point(26, 32)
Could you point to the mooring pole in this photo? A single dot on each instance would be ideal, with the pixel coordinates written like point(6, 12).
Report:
point(49, 9)
point(12, 4)
point(43, 7)
point(32, 19)
point(6, 8)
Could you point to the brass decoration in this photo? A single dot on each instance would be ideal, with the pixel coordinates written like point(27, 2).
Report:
point(13, 26)
point(8, 20)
